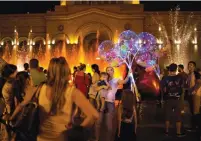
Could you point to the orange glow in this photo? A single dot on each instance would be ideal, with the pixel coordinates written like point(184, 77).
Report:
point(116, 37)
point(73, 54)
point(156, 85)
point(135, 2)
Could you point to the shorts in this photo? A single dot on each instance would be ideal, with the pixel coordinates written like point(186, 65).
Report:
point(170, 105)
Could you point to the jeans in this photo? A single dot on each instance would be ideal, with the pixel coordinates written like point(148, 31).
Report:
point(109, 115)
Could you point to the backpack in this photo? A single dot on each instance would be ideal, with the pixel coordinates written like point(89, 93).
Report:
point(27, 122)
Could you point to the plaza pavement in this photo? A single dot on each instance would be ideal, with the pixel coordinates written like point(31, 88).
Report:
point(151, 125)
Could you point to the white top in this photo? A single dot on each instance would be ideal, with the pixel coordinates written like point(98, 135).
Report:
point(110, 96)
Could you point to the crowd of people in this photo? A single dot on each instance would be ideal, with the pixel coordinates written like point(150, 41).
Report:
point(79, 111)
point(177, 88)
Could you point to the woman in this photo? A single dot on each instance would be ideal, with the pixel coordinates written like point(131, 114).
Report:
point(21, 83)
point(55, 101)
point(82, 80)
point(9, 73)
point(95, 79)
point(127, 117)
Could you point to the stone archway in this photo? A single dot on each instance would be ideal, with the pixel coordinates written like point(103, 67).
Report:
point(59, 45)
point(92, 40)
point(93, 27)
point(7, 46)
point(36, 39)
point(60, 36)
point(23, 44)
point(93, 33)
point(39, 48)
point(6, 39)
point(90, 35)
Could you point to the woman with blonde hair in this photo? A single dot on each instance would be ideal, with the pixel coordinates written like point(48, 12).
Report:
point(55, 101)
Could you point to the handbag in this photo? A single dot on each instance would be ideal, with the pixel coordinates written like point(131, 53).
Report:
point(27, 122)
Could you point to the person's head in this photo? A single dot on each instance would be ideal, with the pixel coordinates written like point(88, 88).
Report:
point(167, 68)
point(191, 66)
point(173, 68)
point(23, 79)
point(180, 68)
point(78, 68)
point(89, 75)
point(128, 101)
point(26, 66)
point(110, 71)
point(45, 71)
point(83, 67)
point(77, 133)
point(104, 76)
point(9, 71)
point(34, 63)
point(95, 68)
point(74, 68)
point(41, 68)
point(57, 78)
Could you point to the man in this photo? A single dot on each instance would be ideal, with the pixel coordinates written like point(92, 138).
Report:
point(194, 93)
point(26, 67)
point(173, 89)
point(110, 105)
point(181, 72)
point(37, 75)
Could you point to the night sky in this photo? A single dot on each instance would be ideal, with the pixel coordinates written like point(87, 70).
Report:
point(16, 7)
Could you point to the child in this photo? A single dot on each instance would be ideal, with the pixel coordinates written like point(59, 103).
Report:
point(103, 87)
point(127, 117)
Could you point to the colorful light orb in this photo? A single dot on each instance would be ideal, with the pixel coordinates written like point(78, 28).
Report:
point(127, 43)
point(104, 48)
point(111, 55)
point(127, 35)
point(116, 62)
point(147, 42)
point(147, 60)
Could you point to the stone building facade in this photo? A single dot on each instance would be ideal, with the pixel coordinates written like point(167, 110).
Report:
point(75, 20)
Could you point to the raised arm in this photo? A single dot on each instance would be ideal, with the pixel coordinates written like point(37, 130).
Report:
point(197, 86)
point(90, 112)
point(121, 82)
point(197, 83)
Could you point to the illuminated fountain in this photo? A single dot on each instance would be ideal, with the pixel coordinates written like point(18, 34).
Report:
point(84, 50)
point(176, 37)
